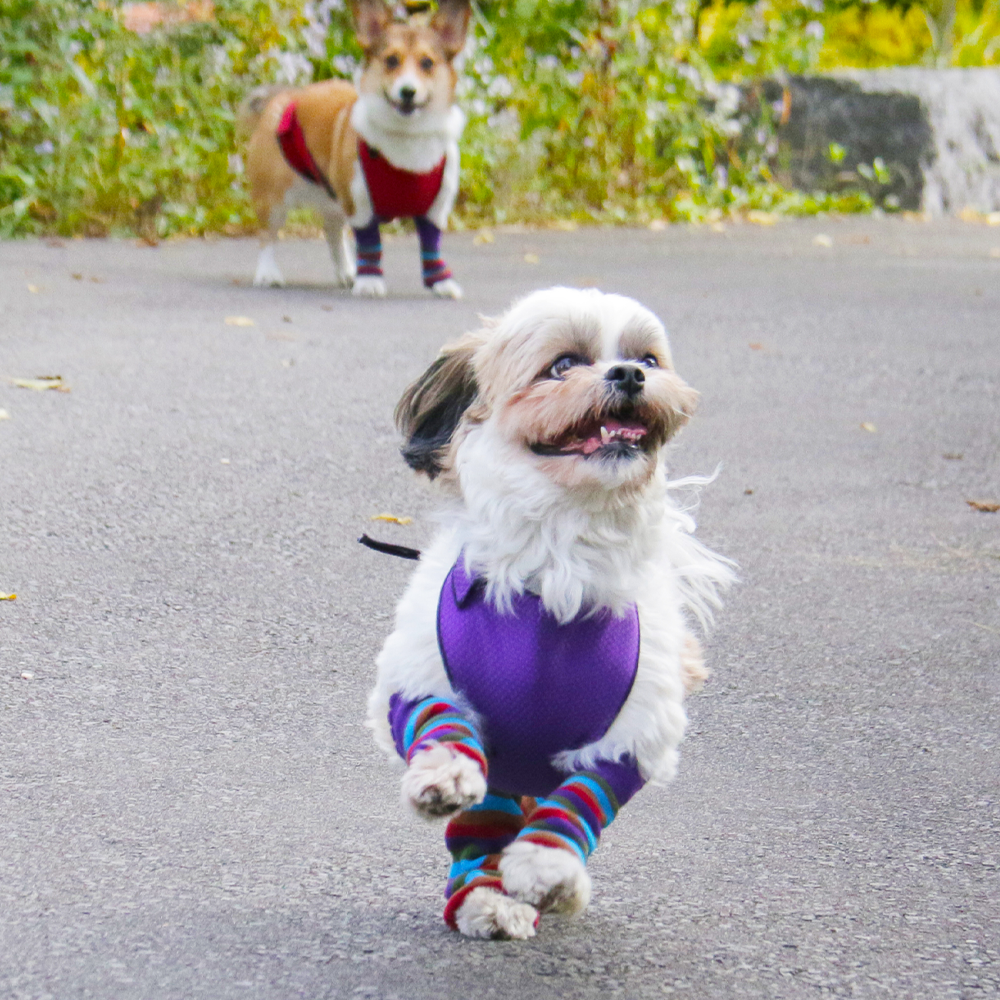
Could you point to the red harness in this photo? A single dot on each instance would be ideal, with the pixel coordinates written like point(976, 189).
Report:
point(394, 193)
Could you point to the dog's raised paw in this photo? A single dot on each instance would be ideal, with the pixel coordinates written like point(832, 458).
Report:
point(440, 781)
point(549, 878)
point(369, 286)
point(447, 289)
point(486, 913)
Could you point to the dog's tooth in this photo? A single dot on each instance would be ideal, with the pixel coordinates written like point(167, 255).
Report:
point(605, 436)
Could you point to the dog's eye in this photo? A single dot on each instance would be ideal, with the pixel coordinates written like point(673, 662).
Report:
point(392, 62)
point(563, 364)
point(651, 361)
point(427, 64)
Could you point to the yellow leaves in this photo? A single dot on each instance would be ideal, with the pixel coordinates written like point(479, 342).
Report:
point(392, 519)
point(531, 258)
point(822, 240)
point(4, 415)
point(40, 383)
point(34, 289)
point(870, 428)
point(482, 237)
point(239, 321)
point(985, 506)
point(759, 218)
point(8, 597)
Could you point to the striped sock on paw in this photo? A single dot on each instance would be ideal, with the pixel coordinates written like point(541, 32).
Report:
point(432, 264)
point(369, 247)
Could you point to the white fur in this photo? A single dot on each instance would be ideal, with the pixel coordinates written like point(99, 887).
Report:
point(579, 550)
point(549, 878)
point(486, 913)
point(268, 273)
point(449, 288)
point(369, 286)
point(440, 781)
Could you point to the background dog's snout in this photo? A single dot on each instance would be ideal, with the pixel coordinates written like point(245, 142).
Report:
point(628, 378)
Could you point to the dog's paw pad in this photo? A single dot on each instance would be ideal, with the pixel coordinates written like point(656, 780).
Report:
point(369, 286)
point(549, 878)
point(447, 289)
point(486, 913)
point(440, 781)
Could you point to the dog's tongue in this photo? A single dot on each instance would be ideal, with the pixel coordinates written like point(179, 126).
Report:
point(611, 430)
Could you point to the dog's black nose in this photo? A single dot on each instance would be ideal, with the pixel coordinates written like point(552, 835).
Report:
point(627, 378)
point(407, 95)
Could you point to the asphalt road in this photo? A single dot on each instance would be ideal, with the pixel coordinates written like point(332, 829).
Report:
point(191, 807)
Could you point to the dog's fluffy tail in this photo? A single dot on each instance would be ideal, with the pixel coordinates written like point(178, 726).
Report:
point(253, 105)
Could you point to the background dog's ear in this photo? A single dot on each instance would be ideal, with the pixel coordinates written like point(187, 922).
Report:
point(432, 406)
point(451, 22)
point(371, 18)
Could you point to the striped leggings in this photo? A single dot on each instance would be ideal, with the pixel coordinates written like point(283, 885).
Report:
point(570, 818)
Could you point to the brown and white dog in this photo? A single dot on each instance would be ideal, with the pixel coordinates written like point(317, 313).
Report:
point(388, 149)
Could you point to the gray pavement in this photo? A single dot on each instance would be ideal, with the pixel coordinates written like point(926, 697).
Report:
point(191, 807)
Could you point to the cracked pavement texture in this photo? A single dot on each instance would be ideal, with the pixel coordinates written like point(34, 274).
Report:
point(191, 804)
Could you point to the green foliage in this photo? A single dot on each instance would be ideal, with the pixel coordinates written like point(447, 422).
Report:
point(591, 110)
point(102, 129)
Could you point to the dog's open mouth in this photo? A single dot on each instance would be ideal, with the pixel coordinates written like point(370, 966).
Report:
point(603, 436)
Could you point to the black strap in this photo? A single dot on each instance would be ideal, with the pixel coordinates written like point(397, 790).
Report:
point(403, 551)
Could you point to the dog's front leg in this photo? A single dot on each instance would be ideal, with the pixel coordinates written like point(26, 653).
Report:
point(446, 764)
point(369, 282)
point(546, 864)
point(340, 249)
point(436, 273)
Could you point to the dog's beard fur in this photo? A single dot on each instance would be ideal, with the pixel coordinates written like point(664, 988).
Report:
point(581, 523)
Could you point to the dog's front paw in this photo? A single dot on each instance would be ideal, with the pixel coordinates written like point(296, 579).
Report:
point(549, 878)
point(486, 913)
point(268, 273)
point(440, 781)
point(369, 286)
point(447, 289)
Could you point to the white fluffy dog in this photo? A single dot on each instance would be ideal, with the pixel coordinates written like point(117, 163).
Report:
point(547, 429)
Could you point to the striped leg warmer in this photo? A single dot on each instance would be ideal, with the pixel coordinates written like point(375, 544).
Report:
point(418, 724)
point(575, 814)
point(476, 839)
point(432, 263)
point(369, 244)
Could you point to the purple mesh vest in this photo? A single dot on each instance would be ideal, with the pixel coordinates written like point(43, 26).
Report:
point(538, 686)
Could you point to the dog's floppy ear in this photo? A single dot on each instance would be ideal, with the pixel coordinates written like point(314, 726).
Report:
point(451, 22)
point(432, 406)
point(371, 18)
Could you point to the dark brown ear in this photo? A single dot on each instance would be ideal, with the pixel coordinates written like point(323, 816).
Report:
point(432, 406)
point(371, 18)
point(451, 22)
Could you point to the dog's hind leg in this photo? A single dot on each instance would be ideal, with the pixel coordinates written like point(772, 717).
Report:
point(546, 864)
point(268, 273)
point(341, 249)
point(436, 274)
point(477, 905)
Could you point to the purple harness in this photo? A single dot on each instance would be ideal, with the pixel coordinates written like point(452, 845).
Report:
point(538, 686)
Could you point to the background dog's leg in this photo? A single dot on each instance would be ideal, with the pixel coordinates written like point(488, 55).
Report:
point(369, 282)
point(340, 249)
point(268, 273)
point(546, 865)
point(476, 903)
point(437, 276)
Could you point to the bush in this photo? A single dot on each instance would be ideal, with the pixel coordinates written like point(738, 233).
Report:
point(605, 111)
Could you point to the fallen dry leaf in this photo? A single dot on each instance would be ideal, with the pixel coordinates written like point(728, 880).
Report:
point(871, 428)
point(954, 456)
point(41, 383)
point(756, 346)
point(33, 289)
point(986, 506)
point(995, 252)
point(483, 236)
point(658, 225)
point(531, 258)
point(239, 321)
point(759, 218)
point(392, 519)
point(822, 240)
point(76, 276)
point(993, 219)
point(8, 597)
point(4, 415)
